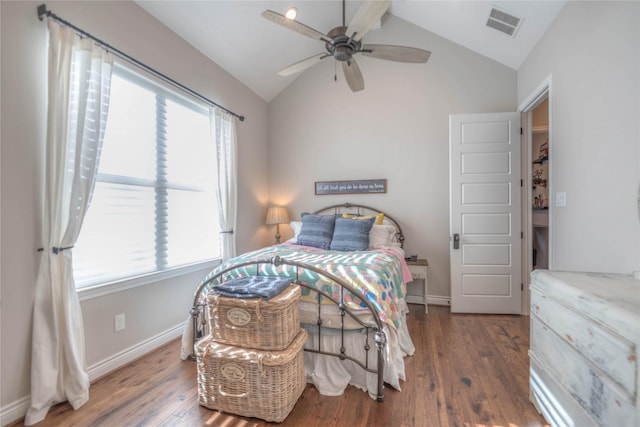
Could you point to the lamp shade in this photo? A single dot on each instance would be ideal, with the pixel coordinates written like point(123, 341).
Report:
point(277, 215)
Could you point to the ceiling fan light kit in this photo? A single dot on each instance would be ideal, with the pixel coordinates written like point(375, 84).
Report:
point(344, 42)
point(291, 13)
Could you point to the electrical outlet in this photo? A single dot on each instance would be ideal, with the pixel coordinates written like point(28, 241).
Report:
point(118, 322)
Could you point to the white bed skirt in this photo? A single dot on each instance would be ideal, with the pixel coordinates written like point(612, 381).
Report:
point(331, 376)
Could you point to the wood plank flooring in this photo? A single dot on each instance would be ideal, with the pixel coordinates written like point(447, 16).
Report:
point(468, 370)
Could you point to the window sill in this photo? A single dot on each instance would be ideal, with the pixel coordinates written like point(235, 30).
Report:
point(102, 289)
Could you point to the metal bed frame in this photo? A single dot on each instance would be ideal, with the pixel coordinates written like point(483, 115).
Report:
point(372, 331)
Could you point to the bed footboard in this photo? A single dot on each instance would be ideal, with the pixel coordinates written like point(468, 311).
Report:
point(375, 336)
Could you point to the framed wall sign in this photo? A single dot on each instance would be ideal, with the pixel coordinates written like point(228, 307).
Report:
point(363, 186)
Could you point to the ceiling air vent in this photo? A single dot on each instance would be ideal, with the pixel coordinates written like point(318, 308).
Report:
point(503, 22)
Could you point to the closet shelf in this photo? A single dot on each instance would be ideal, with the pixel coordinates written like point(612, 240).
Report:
point(540, 160)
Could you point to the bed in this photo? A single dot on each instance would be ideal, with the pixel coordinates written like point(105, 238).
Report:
point(353, 301)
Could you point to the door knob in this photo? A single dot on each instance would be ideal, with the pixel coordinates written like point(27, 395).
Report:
point(456, 241)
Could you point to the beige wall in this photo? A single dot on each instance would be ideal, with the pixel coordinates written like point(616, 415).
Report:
point(318, 130)
point(397, 128)
point(151, 309)
point(592, 52)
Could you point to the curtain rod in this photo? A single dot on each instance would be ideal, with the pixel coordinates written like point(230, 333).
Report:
point(42, 12)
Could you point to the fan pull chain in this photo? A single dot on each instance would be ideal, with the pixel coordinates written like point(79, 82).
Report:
point(335, 71)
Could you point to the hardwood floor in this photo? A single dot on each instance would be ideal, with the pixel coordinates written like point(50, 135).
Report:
point(468, 370)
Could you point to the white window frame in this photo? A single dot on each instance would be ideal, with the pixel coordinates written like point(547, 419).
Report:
point(117, 285)
point(106, 288)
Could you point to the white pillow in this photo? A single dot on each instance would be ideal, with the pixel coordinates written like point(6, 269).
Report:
point(296, 226)
point(381, 236)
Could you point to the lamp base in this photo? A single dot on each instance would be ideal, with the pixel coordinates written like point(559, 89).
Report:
point(277, 233)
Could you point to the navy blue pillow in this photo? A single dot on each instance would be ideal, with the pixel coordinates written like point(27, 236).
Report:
point(317, 230)
point(351, 234)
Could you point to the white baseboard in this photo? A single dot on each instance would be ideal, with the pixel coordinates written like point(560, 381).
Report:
point(14, 410)
point(18, 409)
point(130, 354)
point(438, 300)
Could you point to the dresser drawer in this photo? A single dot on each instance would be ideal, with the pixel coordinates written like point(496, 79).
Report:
point(591, 388)
point(615, 356)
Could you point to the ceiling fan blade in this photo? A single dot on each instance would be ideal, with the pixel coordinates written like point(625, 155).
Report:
point(368, 14)
point(302, 65)
point(294, 25)
point(353, 75)
point(396, 53)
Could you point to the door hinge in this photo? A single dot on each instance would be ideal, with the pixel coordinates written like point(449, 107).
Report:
point(521, 183)
point(522, 286)
point(522, 234)
point(521, 131)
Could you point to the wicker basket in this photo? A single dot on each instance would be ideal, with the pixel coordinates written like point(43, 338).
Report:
point(250, 383)
point(254, 322)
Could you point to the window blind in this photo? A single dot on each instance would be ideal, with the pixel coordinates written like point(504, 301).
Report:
point(154, 204)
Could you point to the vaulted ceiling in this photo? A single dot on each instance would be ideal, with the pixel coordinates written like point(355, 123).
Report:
point(236, 37)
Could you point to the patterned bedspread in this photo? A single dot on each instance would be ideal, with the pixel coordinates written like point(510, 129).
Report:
point(376, 274)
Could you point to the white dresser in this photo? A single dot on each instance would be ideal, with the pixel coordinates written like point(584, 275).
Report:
point(585, 332)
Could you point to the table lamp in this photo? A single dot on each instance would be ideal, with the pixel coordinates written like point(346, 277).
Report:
point(277, 215)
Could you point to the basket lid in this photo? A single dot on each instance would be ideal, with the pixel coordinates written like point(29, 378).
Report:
point(265, 287)
point(207, 346)
point(283, 298)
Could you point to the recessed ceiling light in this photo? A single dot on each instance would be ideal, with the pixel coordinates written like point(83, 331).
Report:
point(291, 13)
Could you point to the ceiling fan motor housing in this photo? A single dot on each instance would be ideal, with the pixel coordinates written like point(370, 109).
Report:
point(341, 47)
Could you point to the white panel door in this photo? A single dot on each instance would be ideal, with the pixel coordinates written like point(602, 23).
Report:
point(485, 213)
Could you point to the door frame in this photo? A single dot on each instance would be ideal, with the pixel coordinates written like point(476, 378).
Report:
point(536, 97)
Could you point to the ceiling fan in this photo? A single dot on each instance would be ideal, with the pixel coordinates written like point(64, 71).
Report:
point(344, 42)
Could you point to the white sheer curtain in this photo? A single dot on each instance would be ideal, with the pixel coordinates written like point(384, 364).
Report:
point(226, 149)
point(79, 82)
point(224, 128)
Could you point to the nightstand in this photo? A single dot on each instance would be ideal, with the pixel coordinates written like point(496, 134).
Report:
point(418, 270)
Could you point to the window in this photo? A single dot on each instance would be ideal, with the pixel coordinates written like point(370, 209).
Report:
point(154, 205)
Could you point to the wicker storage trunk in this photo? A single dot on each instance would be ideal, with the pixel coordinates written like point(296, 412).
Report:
point(250, 383)
point(254, 322)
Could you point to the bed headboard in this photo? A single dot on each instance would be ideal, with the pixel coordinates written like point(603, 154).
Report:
point(364, 210)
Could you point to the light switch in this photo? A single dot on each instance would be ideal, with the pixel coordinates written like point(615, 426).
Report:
point(561, 199)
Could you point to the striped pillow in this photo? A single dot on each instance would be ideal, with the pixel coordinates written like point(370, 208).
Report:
point(351, 234)
point(317, 230)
